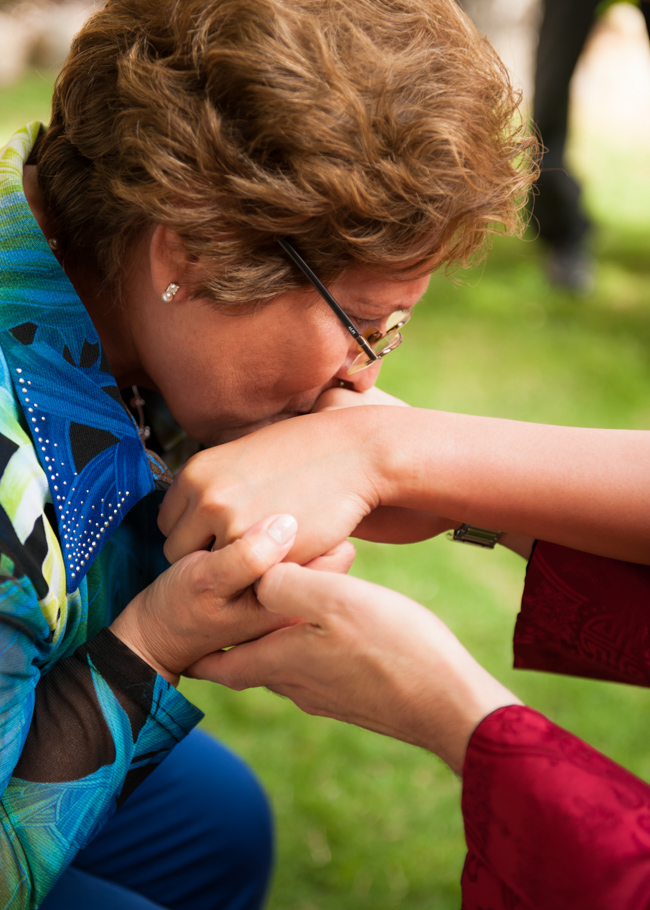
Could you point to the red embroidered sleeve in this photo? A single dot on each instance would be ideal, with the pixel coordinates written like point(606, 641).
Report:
point(584, 615)
point(551, 823)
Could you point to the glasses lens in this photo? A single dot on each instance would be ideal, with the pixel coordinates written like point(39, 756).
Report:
point(382, 344)
point(387, 342)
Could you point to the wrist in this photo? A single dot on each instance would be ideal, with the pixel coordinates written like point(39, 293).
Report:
point(391, 464)
point(469, 696)
point(518, 543)
point(417, 451)
point(480, 698)
point(127, 628)
point(362, 428)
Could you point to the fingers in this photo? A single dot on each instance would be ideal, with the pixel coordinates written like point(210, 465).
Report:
point(172, 508)
point(188, 536)
point(192, 514)
point(339, 559)
point(244, 667)
point(313, 596)
point(238, 565)
point(244, 622)
point(188, 530)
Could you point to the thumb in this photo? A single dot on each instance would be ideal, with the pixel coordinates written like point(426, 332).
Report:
point(242, 562)
point(308, 594)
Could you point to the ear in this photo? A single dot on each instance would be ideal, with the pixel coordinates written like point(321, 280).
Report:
point(169, 261)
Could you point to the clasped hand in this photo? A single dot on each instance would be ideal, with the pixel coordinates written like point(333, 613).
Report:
point(362, 654)
point(336, 646)
point(205, 601)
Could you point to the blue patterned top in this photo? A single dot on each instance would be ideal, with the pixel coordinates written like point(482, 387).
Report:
point(78, 540)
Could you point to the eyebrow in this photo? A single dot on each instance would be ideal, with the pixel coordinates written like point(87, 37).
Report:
point(371, 303)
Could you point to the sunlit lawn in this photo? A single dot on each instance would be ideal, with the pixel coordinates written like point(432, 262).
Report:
point(365, 823)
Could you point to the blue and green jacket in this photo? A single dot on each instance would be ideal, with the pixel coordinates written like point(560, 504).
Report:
point(82, 719)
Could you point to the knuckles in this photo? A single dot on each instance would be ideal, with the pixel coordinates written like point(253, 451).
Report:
point(192, 471)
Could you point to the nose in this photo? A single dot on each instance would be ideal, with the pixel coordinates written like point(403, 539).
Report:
point(361, 381)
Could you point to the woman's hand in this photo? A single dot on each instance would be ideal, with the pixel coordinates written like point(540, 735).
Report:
point(325, 468)
point(385, 524)
point(342, 397)
point(365, 655)
point(586, 489)
point(320, 467)
point(205, 601)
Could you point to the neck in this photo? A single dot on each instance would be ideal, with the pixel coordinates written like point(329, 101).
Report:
point(108, 316)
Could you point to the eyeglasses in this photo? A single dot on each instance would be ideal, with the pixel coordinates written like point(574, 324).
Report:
point(374, 345)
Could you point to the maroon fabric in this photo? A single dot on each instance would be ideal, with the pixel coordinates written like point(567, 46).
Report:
point(551, 823)
point(584, 615)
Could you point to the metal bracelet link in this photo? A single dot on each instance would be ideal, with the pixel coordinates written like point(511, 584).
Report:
point(480, 537)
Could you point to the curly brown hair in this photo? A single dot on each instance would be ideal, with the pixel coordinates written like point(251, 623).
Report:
point(383, 133)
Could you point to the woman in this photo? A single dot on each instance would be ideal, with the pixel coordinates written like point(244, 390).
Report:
point(140, 246)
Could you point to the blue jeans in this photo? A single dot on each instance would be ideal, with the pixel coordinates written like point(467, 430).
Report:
point(196, 834)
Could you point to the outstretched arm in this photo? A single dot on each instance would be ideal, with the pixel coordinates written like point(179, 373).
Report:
point(588, 489)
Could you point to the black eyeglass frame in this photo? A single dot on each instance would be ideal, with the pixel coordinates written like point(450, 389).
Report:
point(297, 259)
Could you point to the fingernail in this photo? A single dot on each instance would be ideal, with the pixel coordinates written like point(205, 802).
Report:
point(283, 528)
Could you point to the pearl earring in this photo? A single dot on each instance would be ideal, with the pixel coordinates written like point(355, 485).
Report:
point(170, 292)
point(53, 244)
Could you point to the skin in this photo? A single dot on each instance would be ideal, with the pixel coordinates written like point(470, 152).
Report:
point(222, 376)
point(220, 607)
point(588, 489)
point(365, 655)
point(279, 359)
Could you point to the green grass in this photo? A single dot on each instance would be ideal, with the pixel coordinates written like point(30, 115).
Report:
point(366, 823)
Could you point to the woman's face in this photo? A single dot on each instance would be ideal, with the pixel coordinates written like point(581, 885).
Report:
point(224, 376)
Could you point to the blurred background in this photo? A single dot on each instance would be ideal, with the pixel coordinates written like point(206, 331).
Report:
point(365, 822)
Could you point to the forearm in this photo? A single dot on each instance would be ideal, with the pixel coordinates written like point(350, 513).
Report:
point(101, 720)
point(588, 489)
point(443, 721)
